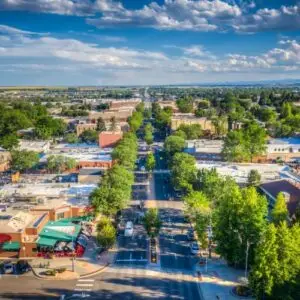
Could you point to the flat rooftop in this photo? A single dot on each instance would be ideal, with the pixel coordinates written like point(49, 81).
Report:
point(285, 141)
point(239, 172)
point(81, 156)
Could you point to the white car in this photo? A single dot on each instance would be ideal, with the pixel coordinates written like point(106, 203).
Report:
point(195, 249)
point(129, 229)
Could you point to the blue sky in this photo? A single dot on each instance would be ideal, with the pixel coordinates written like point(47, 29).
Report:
point(132, 42)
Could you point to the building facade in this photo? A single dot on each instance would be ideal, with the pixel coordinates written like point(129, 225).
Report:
point(190, 119)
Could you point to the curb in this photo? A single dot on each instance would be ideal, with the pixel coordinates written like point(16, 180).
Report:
point(95, 272)
point(80, 276)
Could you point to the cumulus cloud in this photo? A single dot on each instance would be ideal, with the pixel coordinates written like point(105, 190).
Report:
point(205, 15)
point(194, 15)
point(284, 18)
point(60, 7)
point(35, 53)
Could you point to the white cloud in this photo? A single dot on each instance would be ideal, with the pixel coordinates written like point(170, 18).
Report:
point(60, 7)
point(205, 15)
point(39, 54)
point(4, 29)
point(193, 15)
point(284, 18)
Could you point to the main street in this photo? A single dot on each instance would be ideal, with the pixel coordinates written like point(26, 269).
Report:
point(130, 277)
point(115, 283)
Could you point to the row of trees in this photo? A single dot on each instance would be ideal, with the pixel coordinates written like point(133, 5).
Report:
point(244, 234)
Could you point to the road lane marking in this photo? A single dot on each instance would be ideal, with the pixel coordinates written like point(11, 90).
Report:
point(82, 290)
point(92, 280)
point(84, 284)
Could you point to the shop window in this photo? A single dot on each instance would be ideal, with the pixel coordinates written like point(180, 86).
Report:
point(60, 215)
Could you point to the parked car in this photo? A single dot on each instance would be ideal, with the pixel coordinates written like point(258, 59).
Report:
point(23, 266)
point(8, 268)
point(195, 249)
point(190, 235)
point(129, 229)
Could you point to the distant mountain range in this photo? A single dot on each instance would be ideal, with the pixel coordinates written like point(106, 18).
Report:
point(279, 82)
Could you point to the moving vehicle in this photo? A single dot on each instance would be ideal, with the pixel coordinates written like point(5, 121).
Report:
point(195, 249)
point(129, 229)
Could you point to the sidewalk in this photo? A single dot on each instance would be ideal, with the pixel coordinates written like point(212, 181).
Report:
point(219, 280)
point(90, 263)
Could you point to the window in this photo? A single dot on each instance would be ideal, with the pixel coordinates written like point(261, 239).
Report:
point(60, 215)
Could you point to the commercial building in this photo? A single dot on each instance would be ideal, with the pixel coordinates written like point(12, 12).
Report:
point(90, 175)
point(190, 119)
point(169, 103)
point(204, 149)
point(120, 115)
point(37, 146)
point(109, 138)
point(130, 103)
point(290, 189)
point(286, 149)
point(86, 159)
point(83, 126)
point(5, 158)
point(26, 228)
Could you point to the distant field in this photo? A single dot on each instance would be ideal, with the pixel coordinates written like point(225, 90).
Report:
point(32, 88)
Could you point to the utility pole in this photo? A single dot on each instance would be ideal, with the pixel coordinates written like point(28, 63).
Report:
point(247, 254)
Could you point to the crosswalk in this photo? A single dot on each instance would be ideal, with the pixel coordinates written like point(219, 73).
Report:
point(84, 285)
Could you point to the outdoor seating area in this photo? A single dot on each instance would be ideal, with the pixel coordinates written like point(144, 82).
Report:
point(64, 238)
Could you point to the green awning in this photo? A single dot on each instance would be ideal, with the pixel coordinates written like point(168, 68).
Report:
point(15, 246)
point(46, 242)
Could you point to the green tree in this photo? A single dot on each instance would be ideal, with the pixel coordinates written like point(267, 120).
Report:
point(106, 237)
point(234, 148)
point(71, 138)
point(254, 178)
point(266, 265)
point(197, 203)
point(135, 121)
point(180, 133)
point(89, 136)
point(286, 110)
point(23, 160)
point(221, 125)
point(209, 182)
point(173, 144)
point(113, 124)
point(152, 222)
point(125, 153)
point(183, 171)
point(9, 141)
point(150, 162)
point(60, 163)
point(185, 104)
point(104, 220)
point(239, 221)
point(279, 212)
point(192, 132)
point(47, 127)
point(255, 139)
point(114, 191)
point(101, 125)
point(148, 134)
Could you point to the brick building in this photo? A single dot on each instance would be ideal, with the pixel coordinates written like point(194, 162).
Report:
point(109, 138)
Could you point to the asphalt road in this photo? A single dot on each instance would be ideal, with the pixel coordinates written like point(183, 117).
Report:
point(115, 283)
